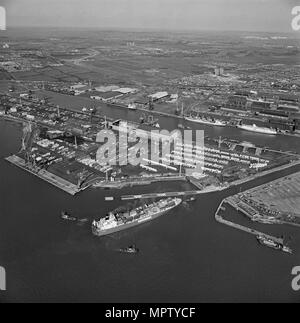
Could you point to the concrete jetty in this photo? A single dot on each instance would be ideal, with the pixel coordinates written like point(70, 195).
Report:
point(206, 190)
point(45, 175)
point(161, 195)
point(254, 232)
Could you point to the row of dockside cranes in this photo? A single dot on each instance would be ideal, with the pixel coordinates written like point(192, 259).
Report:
point(30, 135)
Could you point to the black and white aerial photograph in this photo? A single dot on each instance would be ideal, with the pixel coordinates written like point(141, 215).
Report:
point(150, 154)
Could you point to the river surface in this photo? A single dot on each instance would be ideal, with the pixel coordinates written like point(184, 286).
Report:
point(185, 256)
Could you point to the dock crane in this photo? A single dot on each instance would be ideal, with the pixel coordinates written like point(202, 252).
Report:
point(30, 134)
point(220, 141)
point(93, 111)
point(148, 119)
point(204, 100)
point(82, 177)
point(151, 104)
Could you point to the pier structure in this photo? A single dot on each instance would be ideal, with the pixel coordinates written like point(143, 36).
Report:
point(45, 175)
point(240, 227)
point(138, 180)
point(166, 194)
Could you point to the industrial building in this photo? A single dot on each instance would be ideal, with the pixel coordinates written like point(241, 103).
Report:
point(79, 88)
point(125, 90)
point(236, 102)
point(107, 96)
point(106, 88)
point(290, 108)
point(260, 105)
point(159, 96)
point(219, 71)
point(142, 101)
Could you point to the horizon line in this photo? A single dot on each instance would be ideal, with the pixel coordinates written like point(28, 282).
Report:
point(145, 29)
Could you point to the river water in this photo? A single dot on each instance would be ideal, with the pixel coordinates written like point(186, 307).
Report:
point(186, 256)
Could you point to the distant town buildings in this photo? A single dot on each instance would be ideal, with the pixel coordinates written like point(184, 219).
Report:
point(219, 71)
point(236, 102)
point(79, 88)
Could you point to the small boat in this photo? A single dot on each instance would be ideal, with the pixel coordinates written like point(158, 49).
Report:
point(68, 217)
point(191, 199)
point(130, 249)
point(132, 106)
point(182, 126)
point(83, 220)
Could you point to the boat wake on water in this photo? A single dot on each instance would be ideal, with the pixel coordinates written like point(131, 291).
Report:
point(67, 217)
point(132, 249)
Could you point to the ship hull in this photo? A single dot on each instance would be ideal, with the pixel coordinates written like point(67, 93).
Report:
point(269, 245)
point(205, 122)
point(274, 246)
point(259, 130)
point(145, 134)
point(126, 226)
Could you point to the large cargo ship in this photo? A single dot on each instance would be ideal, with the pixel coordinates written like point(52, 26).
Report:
point(212, 122)
point(255, 128)
point(133, 128)
point(117, 221)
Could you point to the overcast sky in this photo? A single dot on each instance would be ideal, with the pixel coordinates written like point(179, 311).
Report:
point(248, 15)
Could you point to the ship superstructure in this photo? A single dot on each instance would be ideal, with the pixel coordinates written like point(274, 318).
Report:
point(117, 221)
point(255, 128)
point(268, 242)
point(212, 122)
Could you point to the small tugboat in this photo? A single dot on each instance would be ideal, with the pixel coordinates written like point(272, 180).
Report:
point(191, 199)
point(130, 249)
point(132, 106)
point(66, 216)
point(182, 126)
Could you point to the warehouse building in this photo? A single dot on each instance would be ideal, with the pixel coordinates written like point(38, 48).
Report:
point(125, 90)
point(79, 88)
point(159, 96)
point(107, 96)
point(236, 102)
